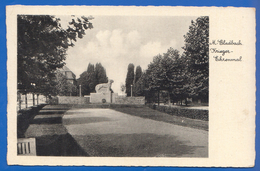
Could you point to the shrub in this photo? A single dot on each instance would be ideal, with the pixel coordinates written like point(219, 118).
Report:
point(184, 112)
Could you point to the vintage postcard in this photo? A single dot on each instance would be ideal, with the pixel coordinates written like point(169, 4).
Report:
point(131, 86)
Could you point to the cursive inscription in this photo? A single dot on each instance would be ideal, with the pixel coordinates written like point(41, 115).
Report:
point(220, 58)
point(223, 54)
point(225, 42)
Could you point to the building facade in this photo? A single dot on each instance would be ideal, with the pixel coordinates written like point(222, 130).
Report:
point(70, 76)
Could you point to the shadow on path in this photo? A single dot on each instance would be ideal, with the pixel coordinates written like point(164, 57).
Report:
point(135, 145)
point(52, 138)
point(58, 145)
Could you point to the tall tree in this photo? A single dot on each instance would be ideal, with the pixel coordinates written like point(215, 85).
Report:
point(42, 45)
point(196, 51)
point(141, 85)
point(101, 75)
point(164, 73)
point(95, 74)
point(91, 78)
point(154, 85)
point(88, 80)
point(138, 73)
point(129, 78)
point(81, 81)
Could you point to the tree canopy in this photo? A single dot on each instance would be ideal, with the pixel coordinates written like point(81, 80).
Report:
point(129, 78)
point(95, 74)
point(42, 45)
point(196, 54)
point(138, 73)
point(181, 76)
point(100, 72)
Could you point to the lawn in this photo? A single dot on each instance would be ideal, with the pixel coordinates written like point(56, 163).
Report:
point(148, 113)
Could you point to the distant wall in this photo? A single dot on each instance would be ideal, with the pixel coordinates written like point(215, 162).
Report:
point(130, 100)
point(72, 100)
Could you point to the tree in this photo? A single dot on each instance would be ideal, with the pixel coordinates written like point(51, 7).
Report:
point(196, 52)
point(141, 85)
point(164, 73)
point(81, 81)
point(138, 73)
point(42, 45)
point(95, 74)
point(101, 75)
point(129, 78)
point(182, 91)
point(87, 80)
point(172, 73)
point(63, 87)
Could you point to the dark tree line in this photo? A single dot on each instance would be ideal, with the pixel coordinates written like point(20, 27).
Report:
point(178, 76)
point(132, 78)
point(95, 74)
point(42, 45)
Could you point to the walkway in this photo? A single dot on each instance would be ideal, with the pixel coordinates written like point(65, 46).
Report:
point(105, 132)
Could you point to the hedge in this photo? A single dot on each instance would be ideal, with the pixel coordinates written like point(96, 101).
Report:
point(24, 117)
point(183, 112)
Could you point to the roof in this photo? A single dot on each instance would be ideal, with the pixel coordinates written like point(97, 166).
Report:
point(65, 68)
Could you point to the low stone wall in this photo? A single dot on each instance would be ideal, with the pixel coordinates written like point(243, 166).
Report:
point(72, 100)
point(100, 97)
point(130, 100)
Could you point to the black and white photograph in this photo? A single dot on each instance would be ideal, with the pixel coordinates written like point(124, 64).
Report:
point(112, 86)
point(151, 86)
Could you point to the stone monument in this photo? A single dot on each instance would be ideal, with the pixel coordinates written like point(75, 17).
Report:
point(103, 93)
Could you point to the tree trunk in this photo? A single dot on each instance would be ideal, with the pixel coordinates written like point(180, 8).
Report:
point(26, 105)
point(37, 99)
point(20, 100)
point(33, 100)
point(169, 98)
point(158, 97)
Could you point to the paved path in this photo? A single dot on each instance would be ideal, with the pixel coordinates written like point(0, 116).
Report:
point(105, 132)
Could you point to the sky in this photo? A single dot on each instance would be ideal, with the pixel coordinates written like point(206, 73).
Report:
point(116, 41)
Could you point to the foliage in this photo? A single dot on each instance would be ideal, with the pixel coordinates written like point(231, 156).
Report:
point(141, 85)
point(129, 78)
point(138, 73)
point(165, 73)
point(63, 87)
point(90, 78)
point(181, 76)
point(101, 75)
point(87, 80)
point(196, 53)
point(42, 45)
point(184, 112)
